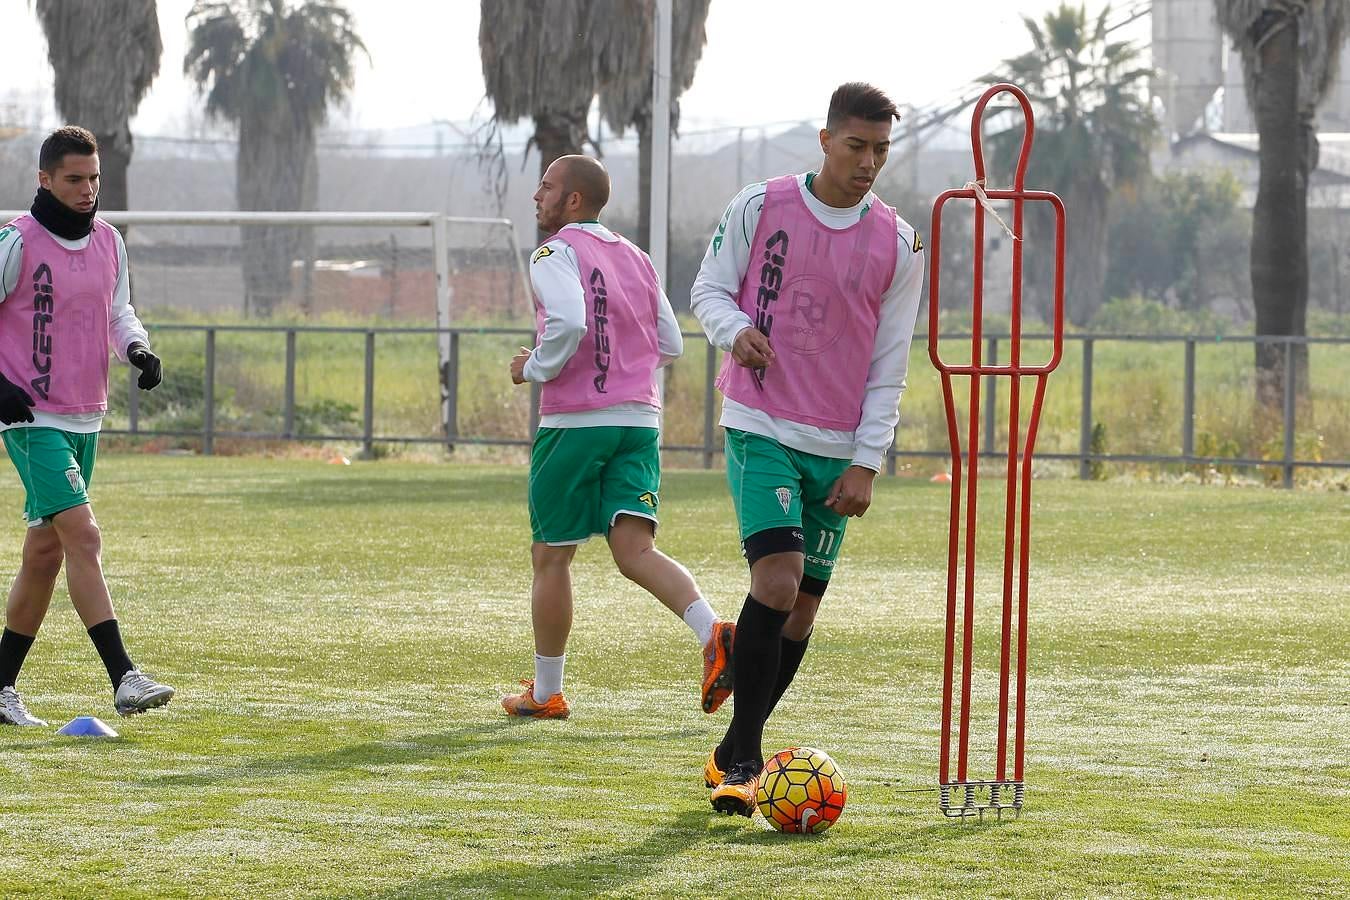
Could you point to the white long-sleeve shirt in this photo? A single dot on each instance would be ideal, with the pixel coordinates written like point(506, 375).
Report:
point(125, 327)
point(713, 299)
point(556, 278)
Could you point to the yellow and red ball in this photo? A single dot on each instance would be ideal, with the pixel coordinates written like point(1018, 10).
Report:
point(801, 791)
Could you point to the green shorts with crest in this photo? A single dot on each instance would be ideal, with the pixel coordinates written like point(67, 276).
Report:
point(55, 467)
point(773, 486)
point(583, 479)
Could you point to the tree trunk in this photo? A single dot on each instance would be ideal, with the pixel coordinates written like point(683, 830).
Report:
point(1279, 252)
point(1085, 251)
point(558, 134)
point(272, 168)
point(307, 239)
point(114, 155)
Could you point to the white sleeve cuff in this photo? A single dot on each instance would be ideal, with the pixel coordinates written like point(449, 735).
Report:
point(868, 459)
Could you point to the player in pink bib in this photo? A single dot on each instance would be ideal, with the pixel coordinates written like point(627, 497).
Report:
point(65, 300)
point(811, 284)
point(604, 329)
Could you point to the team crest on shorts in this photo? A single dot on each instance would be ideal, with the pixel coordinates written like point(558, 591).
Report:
point(648, 498)
point(784, 498)
point(73, 476)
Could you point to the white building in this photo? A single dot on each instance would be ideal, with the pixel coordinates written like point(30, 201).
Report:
point(1199, 83)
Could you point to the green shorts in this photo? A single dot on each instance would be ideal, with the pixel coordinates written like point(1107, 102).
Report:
point(55, 467)
point(583, 479)
point(773, 486)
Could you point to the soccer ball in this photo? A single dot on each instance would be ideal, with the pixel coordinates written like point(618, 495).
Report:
point(801, 790)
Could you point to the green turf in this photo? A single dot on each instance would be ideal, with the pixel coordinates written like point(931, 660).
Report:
point(340, 635)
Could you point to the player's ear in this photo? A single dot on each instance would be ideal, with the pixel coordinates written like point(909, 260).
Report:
point(825, 141)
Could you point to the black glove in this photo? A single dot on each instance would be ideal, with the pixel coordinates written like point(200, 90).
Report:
point(14, 403)
point(152, 371)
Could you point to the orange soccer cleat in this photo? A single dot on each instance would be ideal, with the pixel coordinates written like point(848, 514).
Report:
point(736, 794)
point(712, 774)
point(524, 704)
point(718, 672)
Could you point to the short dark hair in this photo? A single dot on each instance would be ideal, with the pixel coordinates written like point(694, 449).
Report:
point(859, 100)
point(64, 140)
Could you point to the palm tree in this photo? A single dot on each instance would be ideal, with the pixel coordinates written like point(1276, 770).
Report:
point(1289, 51)
point(626, 80)
point(541, 60)
point(105, 57)
point(272, 68)
point(1094, 128)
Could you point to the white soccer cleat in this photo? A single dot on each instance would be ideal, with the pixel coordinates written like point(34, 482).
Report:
point(139, 692)
point(13, 712)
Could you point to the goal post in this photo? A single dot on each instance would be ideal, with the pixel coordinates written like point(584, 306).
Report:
point(416, 266)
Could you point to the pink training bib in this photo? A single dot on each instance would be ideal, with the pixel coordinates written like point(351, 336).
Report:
point(54, 327)
point(617, 359)
point(816, 292)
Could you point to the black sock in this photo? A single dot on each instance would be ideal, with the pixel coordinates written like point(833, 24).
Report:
point(756, 655)
point(790, 655)
point(108, 641)
point(13, 649)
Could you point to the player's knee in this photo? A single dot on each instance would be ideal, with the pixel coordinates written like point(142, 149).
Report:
point(42, 559)
point(776, 560)
point(545, 557)
point(628, 547)
point(774, 581)
point(82, 539)
point(630, 540)
point(629, 560)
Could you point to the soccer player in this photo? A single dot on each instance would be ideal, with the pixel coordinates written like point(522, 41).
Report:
point(66, 299)
point(811, 283)
point(605, 327)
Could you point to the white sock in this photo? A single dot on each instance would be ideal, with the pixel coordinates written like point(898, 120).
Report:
point(548, 675)
point(701, 618)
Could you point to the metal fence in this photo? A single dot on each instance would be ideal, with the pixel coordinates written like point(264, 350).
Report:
point(450, 386)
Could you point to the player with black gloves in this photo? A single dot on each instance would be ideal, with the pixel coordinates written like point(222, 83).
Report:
point(63, 279)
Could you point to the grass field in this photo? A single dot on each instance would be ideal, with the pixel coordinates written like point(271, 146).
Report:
point(340, 635)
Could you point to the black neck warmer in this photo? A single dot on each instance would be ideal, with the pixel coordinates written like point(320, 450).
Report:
point(60, 219)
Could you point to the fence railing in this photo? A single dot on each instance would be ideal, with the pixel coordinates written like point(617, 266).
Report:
point(450, 381)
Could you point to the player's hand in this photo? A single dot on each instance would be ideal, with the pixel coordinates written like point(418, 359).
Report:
point(15, 404)
point(752, 349)
point(851, 495)
point(518, 365)
point(152, 370)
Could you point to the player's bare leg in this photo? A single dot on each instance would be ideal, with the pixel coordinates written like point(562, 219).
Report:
point(551, 597)
point(551, 613)
point(802, 620)
point(632, 542)
point(634, 548)
point(82, 544)
point(31, 593)
point(29, 598)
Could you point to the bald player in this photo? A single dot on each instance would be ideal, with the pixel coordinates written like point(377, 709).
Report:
point(604, 328)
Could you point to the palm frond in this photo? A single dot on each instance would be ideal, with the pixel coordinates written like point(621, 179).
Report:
point(536, 57)
point(625, 74)
point(104, 57)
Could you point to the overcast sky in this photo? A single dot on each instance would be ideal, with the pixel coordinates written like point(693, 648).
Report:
point(765, 60)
